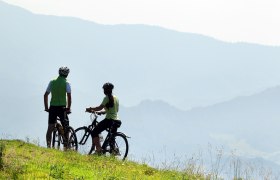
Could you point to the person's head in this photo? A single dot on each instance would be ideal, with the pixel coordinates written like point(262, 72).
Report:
point(63, 71)
point(108, 88)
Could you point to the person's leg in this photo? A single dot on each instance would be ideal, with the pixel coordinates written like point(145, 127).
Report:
point(115, 125)
point(49, 134)
point(97, 144)
point(51, 125)
point(61, 113)
point(101, 126)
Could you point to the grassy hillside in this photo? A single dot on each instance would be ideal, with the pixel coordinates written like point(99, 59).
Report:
point(22, 160)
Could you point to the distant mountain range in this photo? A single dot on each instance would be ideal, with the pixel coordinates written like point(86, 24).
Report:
point(247, 127)
point(145, 62)
point(179, 91)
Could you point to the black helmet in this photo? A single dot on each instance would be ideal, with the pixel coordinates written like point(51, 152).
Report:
point(108, 86)
point(64, 71)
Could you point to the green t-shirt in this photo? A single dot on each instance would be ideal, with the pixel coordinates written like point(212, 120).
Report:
point(112, 112)
point(58, 90)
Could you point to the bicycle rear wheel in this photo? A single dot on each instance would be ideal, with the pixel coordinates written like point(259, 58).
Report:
point(118, 146)
point(71, 137)
point(57, 140)
point(84, 139)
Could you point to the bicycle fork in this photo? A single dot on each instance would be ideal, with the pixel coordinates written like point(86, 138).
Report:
point(84, 138)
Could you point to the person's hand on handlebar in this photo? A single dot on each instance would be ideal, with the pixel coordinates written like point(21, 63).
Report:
point(90, 110)
point(68, 110)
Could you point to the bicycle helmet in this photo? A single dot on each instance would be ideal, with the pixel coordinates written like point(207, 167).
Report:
point(64, 71)
point(108, 86)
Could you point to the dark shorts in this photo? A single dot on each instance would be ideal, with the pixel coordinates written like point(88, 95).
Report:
point(57, 111)
point(105, 124)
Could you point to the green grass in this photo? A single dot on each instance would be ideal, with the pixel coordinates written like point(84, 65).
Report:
point(22, 160)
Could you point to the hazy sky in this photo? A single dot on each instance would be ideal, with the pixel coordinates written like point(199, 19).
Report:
point(255, 21)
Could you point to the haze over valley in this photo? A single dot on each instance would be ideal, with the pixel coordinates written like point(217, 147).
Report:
point(179, 92)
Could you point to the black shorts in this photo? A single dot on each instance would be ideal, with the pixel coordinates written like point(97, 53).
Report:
point(57, 111)
point(104, 124)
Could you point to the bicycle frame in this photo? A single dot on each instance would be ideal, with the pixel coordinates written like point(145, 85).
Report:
point(90, 127)
point(65, 134)
point(109, 145)
point(64, 128)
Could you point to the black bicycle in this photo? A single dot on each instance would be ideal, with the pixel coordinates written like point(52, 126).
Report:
point(115, 144)
point(64, 138)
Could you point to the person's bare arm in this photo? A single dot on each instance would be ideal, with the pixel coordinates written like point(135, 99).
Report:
point(98, 108)
point(69, 100)
point(46, 101)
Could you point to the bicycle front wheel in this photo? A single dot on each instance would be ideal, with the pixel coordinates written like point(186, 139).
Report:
point(84, 139)
point(119, 146)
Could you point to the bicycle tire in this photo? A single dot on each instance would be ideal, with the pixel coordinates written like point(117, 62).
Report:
point(118, 147)
point(56, 140)
point(72, 143)
point(84, 140)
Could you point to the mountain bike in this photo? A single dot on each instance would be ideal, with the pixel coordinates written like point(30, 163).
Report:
point(64, 137)
point(115, 144)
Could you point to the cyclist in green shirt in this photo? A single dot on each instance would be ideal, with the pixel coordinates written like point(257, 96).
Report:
point(110, 107)
point(60, 103)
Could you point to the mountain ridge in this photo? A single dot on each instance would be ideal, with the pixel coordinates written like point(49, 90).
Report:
point(134, 49)
point(143, 62)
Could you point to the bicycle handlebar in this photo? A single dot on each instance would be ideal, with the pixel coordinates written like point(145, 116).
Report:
point(89, 110)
